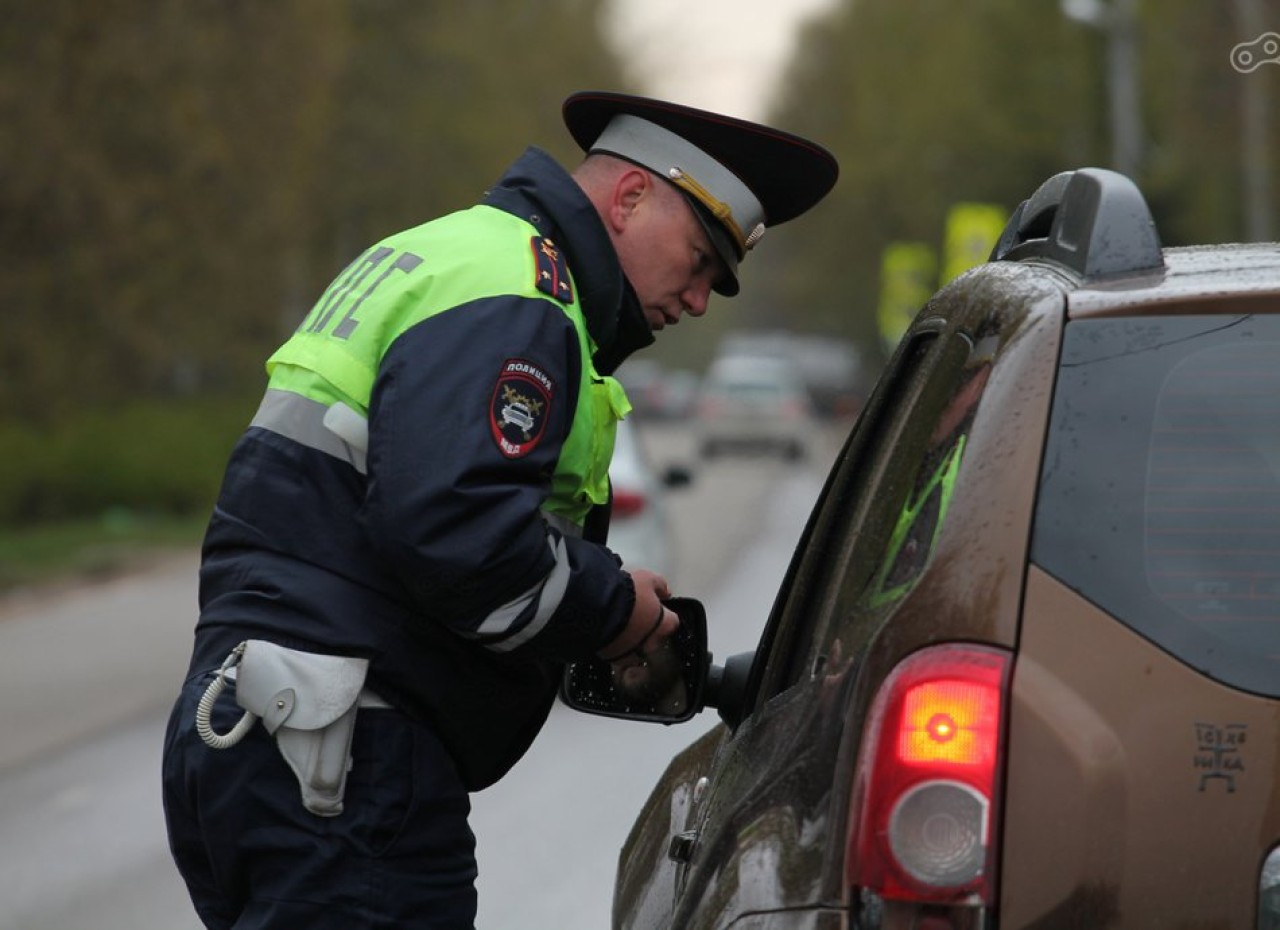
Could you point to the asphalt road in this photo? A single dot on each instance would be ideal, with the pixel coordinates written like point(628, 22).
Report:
point(88, 674)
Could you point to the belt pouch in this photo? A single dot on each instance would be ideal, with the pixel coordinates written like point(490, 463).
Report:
point(308, 702)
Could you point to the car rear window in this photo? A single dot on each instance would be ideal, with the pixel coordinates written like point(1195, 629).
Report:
point(1160, 492)
point(752, 390)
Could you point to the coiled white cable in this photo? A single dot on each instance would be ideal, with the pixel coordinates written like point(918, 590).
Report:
point(204, 709)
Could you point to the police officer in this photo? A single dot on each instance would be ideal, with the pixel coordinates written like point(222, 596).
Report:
point(409, 540)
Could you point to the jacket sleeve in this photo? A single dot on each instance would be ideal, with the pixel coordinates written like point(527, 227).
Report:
point(468, 415)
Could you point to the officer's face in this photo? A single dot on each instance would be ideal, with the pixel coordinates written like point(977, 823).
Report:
point(667, 256)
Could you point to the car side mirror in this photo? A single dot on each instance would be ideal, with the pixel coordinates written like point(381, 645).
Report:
point(677, 476)
point(726, 688)
point(589, 686)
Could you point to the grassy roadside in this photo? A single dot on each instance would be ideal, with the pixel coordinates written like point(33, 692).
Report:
point(106, 547)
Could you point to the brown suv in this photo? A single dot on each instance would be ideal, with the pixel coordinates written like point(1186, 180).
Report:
point(1024, 668)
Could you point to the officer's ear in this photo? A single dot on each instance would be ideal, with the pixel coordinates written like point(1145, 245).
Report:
point(630, 189)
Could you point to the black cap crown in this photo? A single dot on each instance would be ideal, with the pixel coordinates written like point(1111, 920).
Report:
point(740, 176)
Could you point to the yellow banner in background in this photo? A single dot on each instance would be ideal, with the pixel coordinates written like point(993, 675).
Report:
point(908, 276)
point(971, 231)
point(909, 272)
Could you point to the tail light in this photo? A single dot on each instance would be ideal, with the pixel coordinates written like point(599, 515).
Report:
point(794, 409)
point(628, 503)
point(924, 813)
point(709, 408)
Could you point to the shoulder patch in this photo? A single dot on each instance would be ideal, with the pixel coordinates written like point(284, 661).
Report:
point(552, 273)
point(520, 406)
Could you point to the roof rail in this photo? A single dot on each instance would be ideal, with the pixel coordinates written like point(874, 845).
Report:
point(1093, 221)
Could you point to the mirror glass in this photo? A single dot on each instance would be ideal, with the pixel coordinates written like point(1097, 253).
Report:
point(666, 688)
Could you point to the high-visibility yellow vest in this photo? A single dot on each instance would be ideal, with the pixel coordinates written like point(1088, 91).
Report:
point(334, 356)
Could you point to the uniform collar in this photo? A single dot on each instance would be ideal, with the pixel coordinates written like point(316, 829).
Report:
point(536, 189)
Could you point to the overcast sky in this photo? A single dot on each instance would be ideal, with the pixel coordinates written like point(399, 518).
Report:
point(722, 55)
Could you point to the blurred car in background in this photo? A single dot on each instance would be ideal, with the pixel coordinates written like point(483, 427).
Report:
point(754, 403)
point(830, 367)
point(679, 394)
point(1023, 671)
point(639, 530)
point(657, 392)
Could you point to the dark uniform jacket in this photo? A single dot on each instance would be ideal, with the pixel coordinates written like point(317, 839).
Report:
point(429, 552)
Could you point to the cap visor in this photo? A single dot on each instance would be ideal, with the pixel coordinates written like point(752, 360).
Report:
point(727, 284)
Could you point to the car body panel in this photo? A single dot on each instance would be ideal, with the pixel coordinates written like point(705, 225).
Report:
point(780, 783)
point(765, 816)
point(1160, 784)
point(1194, 275)
point(803, 919)
point(1136, 790)
point(648, 878)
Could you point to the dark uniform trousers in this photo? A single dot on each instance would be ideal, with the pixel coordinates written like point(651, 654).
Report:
point(400, 855)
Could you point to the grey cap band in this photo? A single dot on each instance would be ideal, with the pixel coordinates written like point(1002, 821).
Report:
point(736, 175)
point(717, 189)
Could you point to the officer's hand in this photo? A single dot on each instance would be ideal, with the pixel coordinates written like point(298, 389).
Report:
point(650, 623)
point(646, 667)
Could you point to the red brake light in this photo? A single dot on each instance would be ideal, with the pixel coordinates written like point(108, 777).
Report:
point(627, 503)
point(709, 408)
point(925, 804)
point(793, 409)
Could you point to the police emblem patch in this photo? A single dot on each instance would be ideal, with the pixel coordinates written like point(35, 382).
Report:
point(519, 407)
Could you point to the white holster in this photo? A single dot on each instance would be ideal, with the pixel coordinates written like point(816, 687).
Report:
point(308, 702)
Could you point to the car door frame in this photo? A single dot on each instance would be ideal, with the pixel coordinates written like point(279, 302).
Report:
point(787, 682)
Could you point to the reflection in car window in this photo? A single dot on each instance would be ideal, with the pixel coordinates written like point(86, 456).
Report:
point(802, 611)
point(882, 516)
point(1160, 498)
point(916, 532)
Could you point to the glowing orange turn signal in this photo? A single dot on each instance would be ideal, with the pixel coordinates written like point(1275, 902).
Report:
point(949, 721)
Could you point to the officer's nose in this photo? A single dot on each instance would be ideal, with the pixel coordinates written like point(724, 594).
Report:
point(696, 297)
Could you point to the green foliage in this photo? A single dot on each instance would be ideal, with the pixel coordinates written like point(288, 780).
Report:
point(147, 457)
point(931, 102)
point(180, 178)
point(1194, 112)
point(437, 98)
point(153, 155)
point(114, 543)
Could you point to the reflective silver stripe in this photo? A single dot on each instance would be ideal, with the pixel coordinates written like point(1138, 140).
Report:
point(303, 420)
point(549, 593)
point(566, 526)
